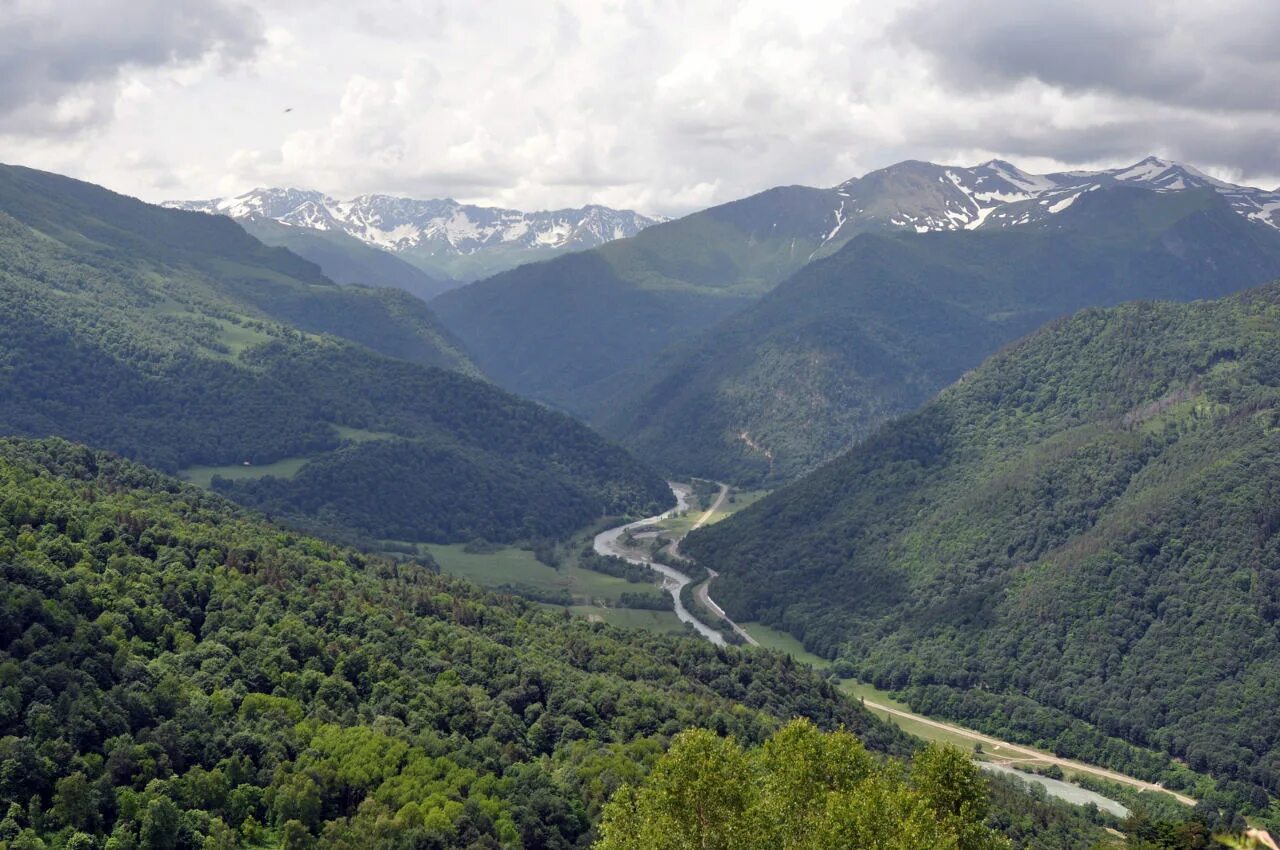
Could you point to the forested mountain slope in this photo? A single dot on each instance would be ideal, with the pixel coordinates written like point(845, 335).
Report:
point(876, 329)
point(177, 339)
point(569, 330)
point(576, 330)
point(175, 672)
point(200, 267)
point(1082, 529)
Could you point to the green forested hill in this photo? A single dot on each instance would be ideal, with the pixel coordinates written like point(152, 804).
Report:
point(1077, 540)
point(876, 329)
point(177, 673)
point(571, 330)
point(178, 340)
point(193, 268)
point(170, 663)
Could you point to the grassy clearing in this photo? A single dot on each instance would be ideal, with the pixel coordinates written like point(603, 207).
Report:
point(203, 475)
point(627, 618)
point(860, 690)
point(782, 642)
point(505, 566)
point(360, 435)
point(238, 338)
point(519, 567)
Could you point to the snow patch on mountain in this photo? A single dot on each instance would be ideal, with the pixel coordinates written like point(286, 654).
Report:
point(926, 197)
point(436, 227)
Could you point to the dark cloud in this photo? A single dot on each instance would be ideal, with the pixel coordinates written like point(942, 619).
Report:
point(1243, 144)
point(62, 65)
point(1218, 56)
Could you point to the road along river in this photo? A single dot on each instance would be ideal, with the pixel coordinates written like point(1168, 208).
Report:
point(610, 543)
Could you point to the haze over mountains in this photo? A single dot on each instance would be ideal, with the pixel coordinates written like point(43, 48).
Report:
point(1047, 550)
point(640, 425)
point(441, 237)
point(873, 330)
point(641, 335)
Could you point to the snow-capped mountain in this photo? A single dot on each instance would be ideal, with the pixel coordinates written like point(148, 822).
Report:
point(442, 237)
point(928, 197)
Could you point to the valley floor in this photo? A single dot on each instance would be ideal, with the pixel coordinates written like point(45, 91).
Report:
point(596, 597)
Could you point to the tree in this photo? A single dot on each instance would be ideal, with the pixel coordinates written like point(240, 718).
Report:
point(952, 786)
point(294, 836)
point(696, 797)
point(159, 824)
point(801, 767)
point(75, 802)
point(802, 790)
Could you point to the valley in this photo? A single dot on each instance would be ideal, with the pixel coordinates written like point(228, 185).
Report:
point(933, 588)
point(639, 426)
point(992, 753)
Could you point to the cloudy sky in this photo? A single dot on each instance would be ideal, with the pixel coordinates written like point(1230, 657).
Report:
point(655, 105)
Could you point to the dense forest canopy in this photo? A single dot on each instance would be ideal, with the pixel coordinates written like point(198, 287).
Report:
point(177, 673)
point(875, 330)
point(1076, 544)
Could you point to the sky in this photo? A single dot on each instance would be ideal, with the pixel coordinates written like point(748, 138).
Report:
point(655, 105)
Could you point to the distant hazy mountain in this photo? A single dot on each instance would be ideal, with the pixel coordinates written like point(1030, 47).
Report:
point(445, 239)
point(345, 259)
point(567, 331)
point(575, 330)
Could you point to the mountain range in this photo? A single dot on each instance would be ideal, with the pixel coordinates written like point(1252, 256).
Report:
point(1067, 536)
point(179, 340)
point(873, 330)
point(449, 241)
point(577, 330)
point(925, 197)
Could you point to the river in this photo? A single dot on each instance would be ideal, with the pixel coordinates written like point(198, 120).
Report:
point(1061, 790)
point(610, 543)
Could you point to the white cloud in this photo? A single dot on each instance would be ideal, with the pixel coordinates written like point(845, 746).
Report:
point(668, 106)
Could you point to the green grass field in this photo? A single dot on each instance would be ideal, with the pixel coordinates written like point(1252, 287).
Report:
point(592, 592)
point(782, 642)
point(240, 337)
point(860, 690)
point(654, 621)
point(360, 435)
point(679, 526)
point(203, 475)
point(518, 566)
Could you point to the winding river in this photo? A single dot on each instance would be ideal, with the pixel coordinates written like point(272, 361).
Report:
point(673, 581)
